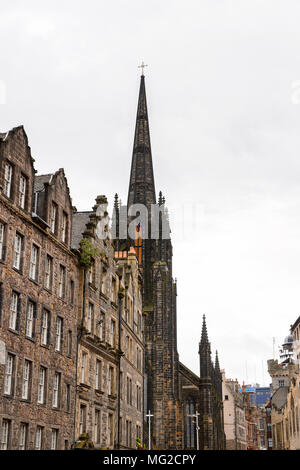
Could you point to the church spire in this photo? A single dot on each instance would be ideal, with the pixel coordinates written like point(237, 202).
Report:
point(141, 185)
point(217, 364)
point(204, 336)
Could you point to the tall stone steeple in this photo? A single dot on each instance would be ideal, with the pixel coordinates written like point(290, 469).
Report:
point(206, 399)
point(141, 185)
point(159, 293)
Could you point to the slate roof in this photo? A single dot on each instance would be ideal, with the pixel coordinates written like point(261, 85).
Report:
point(40, 180)
point(279, 397)
point(79, 221)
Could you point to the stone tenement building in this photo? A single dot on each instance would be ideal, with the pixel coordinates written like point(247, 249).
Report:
point(166, 379)
point(109, 400)
point(38, 313)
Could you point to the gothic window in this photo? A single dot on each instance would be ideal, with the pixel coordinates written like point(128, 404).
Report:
point(190, 424)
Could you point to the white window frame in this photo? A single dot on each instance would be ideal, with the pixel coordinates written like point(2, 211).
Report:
point(38, 438)
point(61, 281)
point(7, 179)
point(58, 333)
point(53, 217)
point(54, 439)
point(33, 271)
point(9, 371)
point(41, 385)
point(13, 311)
point(22, 191)
point(98, 374)
point(90, 317)
point(56, 385)
point(23, 436)
point(26, 380)
point(48, 271)
point(64, 225)
point(30, 319)
point(17, 251)
point(45, 326)
point(5, 429)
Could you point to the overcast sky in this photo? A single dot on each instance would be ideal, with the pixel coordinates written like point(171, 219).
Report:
point(223, 90)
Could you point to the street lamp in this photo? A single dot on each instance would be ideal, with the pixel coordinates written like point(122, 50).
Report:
point(149, 416)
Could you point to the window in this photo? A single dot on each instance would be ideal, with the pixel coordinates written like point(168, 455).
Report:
point(82, 420)
point(54, 439)
point(138, 358)
point(17, 251)
point(226, 397)
point(42, 385)
point(7, 179)
point(61, 281)
point(83, 366)
point(103, 281)
point(64, 228)
point(9, 374)
point(5, 434)
point(38, 438)
point(58, 333)
point(97, 427)
point(128, 433)
point(90, 318)
point(30, 319)
point(111, 429)
point(71, 291)
point(14, 314)
point(48, 272)
point(110, 381)
point(98, 375)
point(33, 270)
point(53, 218)
point(2, 229)
point(139, 327)
point(113, 333)
point(68, 397)
point(92, 272)
point(101, 326)
point(45, 327)
point(26, 380)
point(56, 387)
point(23, 436)
point(139, 398)
point(281, 383)
point(22, 191)
point(69, 345)
point(114, 290)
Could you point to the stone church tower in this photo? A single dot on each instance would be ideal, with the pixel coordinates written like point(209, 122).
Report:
point(166, 379)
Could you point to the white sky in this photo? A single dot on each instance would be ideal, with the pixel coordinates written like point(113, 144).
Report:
point(223, 106)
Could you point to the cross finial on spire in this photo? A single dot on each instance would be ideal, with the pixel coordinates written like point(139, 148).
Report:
point(142, 66)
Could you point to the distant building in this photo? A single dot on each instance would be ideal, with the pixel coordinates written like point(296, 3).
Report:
point(234, 415)
point(285, 399)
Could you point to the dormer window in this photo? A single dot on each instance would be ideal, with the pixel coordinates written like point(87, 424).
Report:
point(7, 179)
point(22, 191)
point(53, 217)
point(64, 225)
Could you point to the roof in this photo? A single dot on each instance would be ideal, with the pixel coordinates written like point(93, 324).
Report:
point(79, 221)
point(279, 398)
point(40, 180)
point(295, 324)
